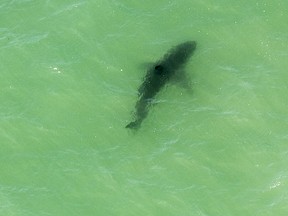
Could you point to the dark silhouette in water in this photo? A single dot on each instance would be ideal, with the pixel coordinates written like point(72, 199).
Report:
point(157, 76)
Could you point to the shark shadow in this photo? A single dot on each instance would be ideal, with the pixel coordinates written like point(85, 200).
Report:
point(158, 75)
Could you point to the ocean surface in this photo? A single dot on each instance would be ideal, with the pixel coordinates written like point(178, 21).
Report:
point(70, 71)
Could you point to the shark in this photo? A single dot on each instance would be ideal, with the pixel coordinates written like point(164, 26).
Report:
point(158, 75)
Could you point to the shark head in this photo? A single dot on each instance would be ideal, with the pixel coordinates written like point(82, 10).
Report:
point(175, 58)
point(181, 53)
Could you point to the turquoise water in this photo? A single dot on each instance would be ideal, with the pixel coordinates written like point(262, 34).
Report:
point(70, 71)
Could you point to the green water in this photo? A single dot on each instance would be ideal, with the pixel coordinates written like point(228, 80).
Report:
point(69, 77)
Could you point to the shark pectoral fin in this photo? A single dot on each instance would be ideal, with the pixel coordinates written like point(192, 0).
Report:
point(133, 125)
point(182, 80)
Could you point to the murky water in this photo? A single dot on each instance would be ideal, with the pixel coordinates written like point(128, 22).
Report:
point(70, 71)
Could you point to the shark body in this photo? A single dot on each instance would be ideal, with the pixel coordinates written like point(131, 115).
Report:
point(157, 76)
